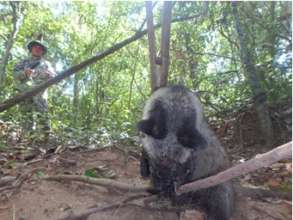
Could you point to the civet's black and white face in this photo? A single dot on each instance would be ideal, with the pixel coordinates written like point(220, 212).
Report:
point(171, 135)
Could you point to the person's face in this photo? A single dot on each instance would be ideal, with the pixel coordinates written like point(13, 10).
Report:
point(37, 50)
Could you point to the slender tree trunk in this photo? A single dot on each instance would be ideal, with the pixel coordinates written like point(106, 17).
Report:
point(272, 34)
point(165, 42)
point(76, 90)
point(253, 79)
point(132, 81)
point(98, 94)
point(152, 46)
point(16, 21)
point(100, 97)
point(192, 63)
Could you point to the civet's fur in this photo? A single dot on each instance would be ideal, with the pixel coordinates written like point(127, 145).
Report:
point(178, 147)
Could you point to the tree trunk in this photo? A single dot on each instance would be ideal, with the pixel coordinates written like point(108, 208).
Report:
point(192, 63)
point(272, 34)
point(152, 46)
point(76, 90)
point(253, 79)
point(132, 82)
point(16, 21)
point(165, 42)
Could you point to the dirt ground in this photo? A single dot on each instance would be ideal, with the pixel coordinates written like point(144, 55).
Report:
point(39, 199)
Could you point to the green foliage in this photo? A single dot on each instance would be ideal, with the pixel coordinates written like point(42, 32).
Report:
point(103, 102)
point(40, 174)
point(286, 186)
point(91, 173)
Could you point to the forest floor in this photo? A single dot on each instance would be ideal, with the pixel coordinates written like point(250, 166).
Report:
point(26, 195)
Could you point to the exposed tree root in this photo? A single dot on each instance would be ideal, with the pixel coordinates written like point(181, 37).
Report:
point(108, 183)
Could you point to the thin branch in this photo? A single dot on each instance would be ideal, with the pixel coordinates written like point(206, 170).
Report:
point(145, 20)
point(5, 16)
point(132, 78)
point(228, 38)
point(215, 55)
point(3, 37)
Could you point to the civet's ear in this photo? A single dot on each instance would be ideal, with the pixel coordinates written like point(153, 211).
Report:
point(156, 125)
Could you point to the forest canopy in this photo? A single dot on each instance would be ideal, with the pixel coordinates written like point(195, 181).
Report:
point(103, 102)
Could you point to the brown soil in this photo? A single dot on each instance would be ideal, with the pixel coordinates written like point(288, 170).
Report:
point(46, 200)
point(41, 200)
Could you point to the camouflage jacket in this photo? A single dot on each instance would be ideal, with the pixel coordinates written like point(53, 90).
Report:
point(40, 67)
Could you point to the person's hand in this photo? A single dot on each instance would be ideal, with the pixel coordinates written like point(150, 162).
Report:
point(28, 72)
point(49, 74)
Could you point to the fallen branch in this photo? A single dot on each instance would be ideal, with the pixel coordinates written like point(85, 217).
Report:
point(32, 162)
point(108, 183)
point(280, 153)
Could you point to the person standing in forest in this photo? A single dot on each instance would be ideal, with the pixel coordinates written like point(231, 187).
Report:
point(28, 73)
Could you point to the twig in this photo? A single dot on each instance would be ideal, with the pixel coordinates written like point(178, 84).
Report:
point(67, 161)
point(32, 162)
point(60, 149)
